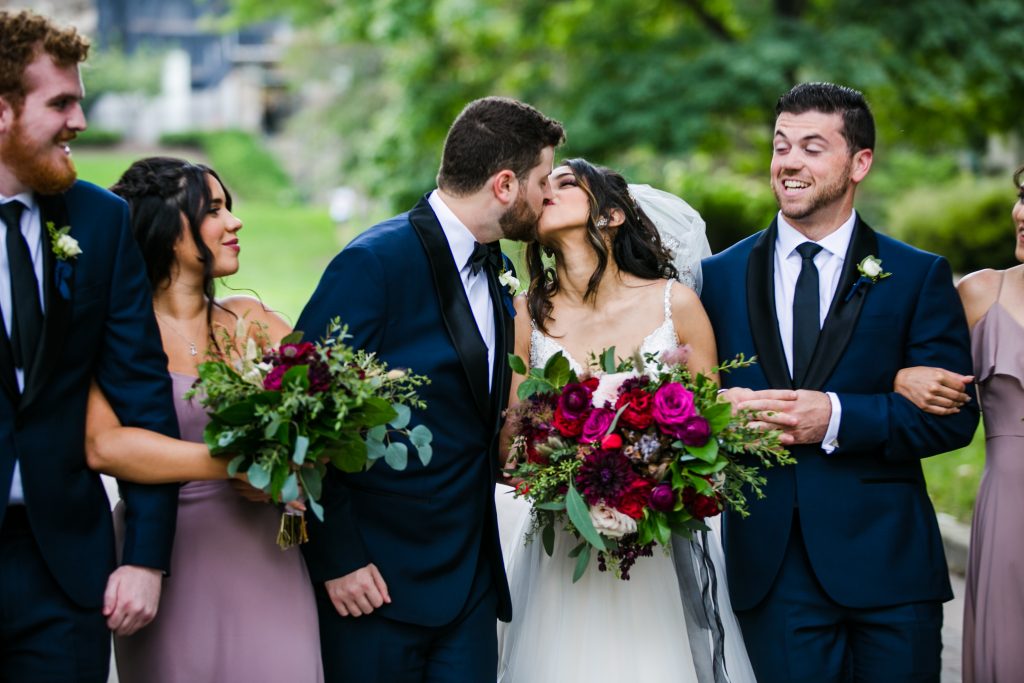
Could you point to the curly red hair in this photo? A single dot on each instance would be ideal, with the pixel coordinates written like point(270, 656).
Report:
point(24, 36)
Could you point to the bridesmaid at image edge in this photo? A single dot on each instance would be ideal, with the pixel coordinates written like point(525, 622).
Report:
point(235, 608)
point(993, 647)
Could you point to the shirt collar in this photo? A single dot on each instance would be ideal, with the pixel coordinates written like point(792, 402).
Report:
point(836, 243)
point(28, 199)
point(460, 240)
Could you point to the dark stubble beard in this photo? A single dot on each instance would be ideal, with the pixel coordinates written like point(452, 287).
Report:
point(519, 222)
point(33, 168)
point(826, 195)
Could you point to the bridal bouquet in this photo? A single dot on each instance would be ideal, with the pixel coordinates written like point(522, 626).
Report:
point(626, 458)
point(283, 414)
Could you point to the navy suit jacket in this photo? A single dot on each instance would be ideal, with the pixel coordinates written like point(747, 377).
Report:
point(865, 515)
point(104, 329)
point(429, 530)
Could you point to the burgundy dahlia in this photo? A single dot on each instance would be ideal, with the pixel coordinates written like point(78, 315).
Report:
point(604, 476)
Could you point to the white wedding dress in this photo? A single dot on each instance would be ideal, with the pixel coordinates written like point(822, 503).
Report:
point(602, 629)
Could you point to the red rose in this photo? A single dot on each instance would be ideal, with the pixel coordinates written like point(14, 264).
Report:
point(699, 505)
point(611, 442)
point(566, 426)
point(635, 499)
point(638, 412)
point(533, 438)
point(591, 383)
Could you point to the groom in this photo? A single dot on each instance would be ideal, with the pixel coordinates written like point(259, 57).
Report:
point(839, 573)
point(407, 566)
point(72, 312)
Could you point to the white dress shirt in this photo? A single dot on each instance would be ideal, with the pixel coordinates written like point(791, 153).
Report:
point(461, 242)
point(829, 262)
point(31, 228)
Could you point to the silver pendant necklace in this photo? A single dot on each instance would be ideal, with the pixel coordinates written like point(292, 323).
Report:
point(192, 349)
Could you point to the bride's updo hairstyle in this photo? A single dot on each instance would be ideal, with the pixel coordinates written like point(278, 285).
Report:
point(165, 197)
point(635, 244)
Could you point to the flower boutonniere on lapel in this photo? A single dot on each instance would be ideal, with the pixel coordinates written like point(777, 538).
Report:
point(870, 269)
point(510, 286)
point(66, 249)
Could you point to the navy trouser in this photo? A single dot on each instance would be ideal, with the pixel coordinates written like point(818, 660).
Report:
point(797, 634)
point(44, 637)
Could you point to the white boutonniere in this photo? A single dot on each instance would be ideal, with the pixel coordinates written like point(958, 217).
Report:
point(507, 279)
point(64, 246)
point(871, 268)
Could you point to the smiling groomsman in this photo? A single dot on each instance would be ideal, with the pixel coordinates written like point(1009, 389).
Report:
point(838, 574)
point(75, 308)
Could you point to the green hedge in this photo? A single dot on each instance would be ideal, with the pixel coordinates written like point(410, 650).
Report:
point(98, 137)
point(966, 220)
point(240, 158)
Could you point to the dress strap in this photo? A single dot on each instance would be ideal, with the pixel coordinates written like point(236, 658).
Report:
point(1002, 277)
point(668, 300)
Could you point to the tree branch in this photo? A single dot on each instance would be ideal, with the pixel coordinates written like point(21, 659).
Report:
point(711, 22)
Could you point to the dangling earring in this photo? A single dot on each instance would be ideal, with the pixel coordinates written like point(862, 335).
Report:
point(601, 223)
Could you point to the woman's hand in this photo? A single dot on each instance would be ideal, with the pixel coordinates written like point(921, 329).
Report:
point(933, 390)
point(242, 487)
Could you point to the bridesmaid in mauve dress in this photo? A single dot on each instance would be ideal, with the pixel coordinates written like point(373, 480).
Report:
point(993, 646)
point(235, 607)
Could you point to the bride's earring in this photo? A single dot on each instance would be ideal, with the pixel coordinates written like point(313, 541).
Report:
point(601, 223)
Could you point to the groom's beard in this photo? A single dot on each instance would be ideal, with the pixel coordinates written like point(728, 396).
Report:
point(824, 196)
point(519, 222)
point(36, 166)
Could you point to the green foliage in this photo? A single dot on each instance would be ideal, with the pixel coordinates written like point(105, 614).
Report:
point(967, 221)
point(113, 71)
point(242, 161)
point(98, 137)
point(953, 478)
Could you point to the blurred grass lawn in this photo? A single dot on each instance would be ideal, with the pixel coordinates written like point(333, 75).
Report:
point(285, 248)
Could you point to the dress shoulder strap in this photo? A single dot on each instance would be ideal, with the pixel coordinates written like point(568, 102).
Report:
point(1002, 278)
point(668, 300)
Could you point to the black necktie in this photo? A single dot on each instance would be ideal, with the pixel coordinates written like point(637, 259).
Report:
point(806, 322)
point(26, 314)
point(482, 254)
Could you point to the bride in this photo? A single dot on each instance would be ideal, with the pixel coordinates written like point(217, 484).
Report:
point(621, 254)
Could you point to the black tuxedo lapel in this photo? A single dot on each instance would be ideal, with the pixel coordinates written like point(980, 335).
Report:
point(52, 209)
point(842, 314)
point(764, 326)
point(455, 310)
point(7, 377)
point(504, 340)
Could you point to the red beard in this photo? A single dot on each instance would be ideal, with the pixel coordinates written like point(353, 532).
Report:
point(35, 168)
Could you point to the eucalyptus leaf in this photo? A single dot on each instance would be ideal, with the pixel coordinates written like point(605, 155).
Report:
point(402, 415)
point(258, 477)
point(377, 433)
point(581, 564)
point(301, 446)
point(375, 449)
point(290, 490)
point(397, 456)
point(579, 515)
point(556, 505)
point(317, 508)
point(420, 436)
point(234, 464)
point(312, 482)
point(425, 453)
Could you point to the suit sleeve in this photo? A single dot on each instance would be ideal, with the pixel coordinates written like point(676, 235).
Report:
point(354, 289)
point(937, 337)
point(132, 371)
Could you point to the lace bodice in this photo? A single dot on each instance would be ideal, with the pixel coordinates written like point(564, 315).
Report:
point(663, 338)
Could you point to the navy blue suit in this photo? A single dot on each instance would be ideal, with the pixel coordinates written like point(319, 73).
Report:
point(858, 520)
point(431, 531)
point(104, 329)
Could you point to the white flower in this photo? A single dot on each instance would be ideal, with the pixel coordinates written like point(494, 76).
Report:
point(610, 522)
point(68, 245)
point(871, 268)
point(608, 387)
point(397, 373)
point(507, 279)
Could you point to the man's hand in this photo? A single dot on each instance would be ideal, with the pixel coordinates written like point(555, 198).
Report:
point(933, 390)
point(358, 593)
point(131, 599)
point(802, 415)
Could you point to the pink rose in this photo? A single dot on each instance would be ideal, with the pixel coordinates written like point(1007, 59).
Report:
point(673, 406)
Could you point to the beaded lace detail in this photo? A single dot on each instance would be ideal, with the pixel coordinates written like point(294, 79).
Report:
point(663, 338)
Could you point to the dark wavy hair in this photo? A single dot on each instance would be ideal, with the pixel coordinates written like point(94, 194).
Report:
point(829, 98)
point(160, 191)
point(635, 245)
point(1018, 177)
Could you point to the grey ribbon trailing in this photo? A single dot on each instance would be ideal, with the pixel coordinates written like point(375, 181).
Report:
point(698, 588)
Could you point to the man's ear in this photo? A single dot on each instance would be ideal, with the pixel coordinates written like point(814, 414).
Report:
point(861, 164)
point(504, 184)
point(7, 114)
